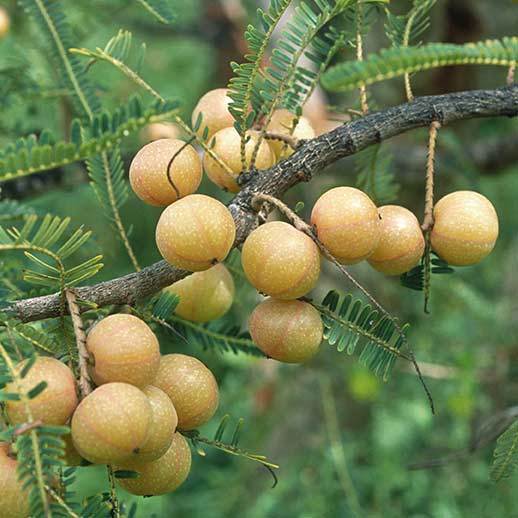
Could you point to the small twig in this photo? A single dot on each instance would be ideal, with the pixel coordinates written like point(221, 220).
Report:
point(85, 383)
point(510, 74)
point(301, 225)
point(170, 164)
point(60, 501)
point(115, 510)
point(27, 427)
point(290, 140)
point(337, 447)
point(430, 171)
point(359, 56)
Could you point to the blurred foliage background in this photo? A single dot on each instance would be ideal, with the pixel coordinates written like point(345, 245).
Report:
point(343, 438)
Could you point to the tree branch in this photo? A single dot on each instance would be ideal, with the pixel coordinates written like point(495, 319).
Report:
point(309, 159)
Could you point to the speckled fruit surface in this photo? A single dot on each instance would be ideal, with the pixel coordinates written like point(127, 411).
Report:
point(287, 330)
point(281, 261)
point(282, 124)
point(163, 425)
point(14, 502)
point(55, 404)
point(204, 296)
point(162, 475)
point(226, 143)
point(111, 423)
point(347, 224)
point(401, 244)
point(123, 348)
point(214, 108)
point(465, 228)
point(191, 387)
point(148, 172)
point(195, 232)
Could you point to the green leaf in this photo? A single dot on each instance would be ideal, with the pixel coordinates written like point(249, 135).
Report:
point(37, 390)
point(505, 457)
point(162, 10)
point(399, 61)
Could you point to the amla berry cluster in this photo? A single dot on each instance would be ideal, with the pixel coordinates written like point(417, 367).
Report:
point(131, 420)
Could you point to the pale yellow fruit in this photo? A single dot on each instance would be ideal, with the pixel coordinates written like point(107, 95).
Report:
point(195, 233)
point(55, 404)
point(465, 228)
point(287, 330)
point(160, 130)
point(112, 423)
point(204, 296)
point(281, 261)
point(282, 124)
point(226, 143)
point(163, 475)
point(401, 244)
point(5, 22)
point(214, 108)
point(163, 425)
point(123, 348)
point(14, 500)
point(148, 172)
point(347, 224)
point(191, 387)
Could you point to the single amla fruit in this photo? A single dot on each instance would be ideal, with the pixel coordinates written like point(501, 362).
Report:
point(226, 143)
point(347, 224)
point(123, 348)
point(195, 233)
point(55, 404)
point(204, 296)
point(5, 22)
point(282, 124)
point(465, 228)
point(148, 172)
point(213, 107)
point(160, 476)
point(164, 421)
point(401, 244)
point(14, 500)
point(192, 388)
point(287, 330)
point(112, 423)
point(281, 261)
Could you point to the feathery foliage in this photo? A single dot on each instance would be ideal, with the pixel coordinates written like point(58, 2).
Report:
point(231, 447)
point(375, 175)
point(396, 62)
point(162, 10)
point(349, 322)
point(415, 278)
point(505, 457)
point(46, 238)
point(404, 30)
point(32, 155)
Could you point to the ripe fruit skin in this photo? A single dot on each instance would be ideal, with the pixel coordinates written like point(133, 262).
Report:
point(347, 224)
point(162, 475)
point(281, 261)
point(204, 296)
point(282, 124)
point(148, 172)
point(55, 404)
point(214, 108)
point(227, 145)
point(5, 22)
point(287, 330)
point(14, 501)
point(401, 244)
point(465, 228)
point(163, 425)
point(191, 387)
point(112, 423)
point(159, 130)
point(195, 233)
point(123, 348)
